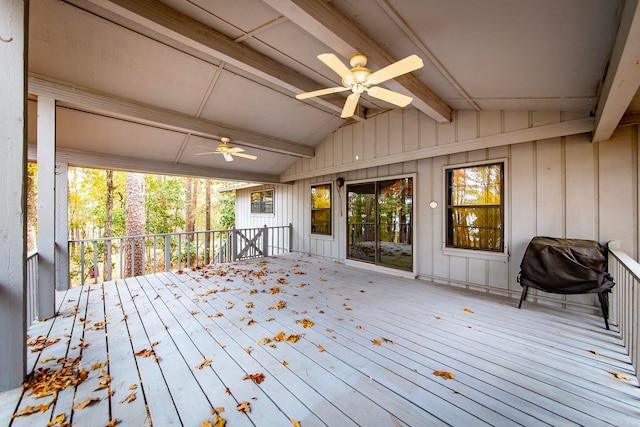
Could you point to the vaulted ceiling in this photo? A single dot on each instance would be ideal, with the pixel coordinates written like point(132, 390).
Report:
point(148, 85)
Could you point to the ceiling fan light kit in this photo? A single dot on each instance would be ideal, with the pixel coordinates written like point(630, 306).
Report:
point(359, 79)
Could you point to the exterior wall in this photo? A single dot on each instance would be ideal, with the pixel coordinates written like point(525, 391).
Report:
point(563, 186)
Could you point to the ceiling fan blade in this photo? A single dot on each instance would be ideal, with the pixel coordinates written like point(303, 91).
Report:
point(208, 152)
point(227, 157)
point(321, 92)
point(333, 62)
point(350, 105)
point(234, 150)
point(406, 65)
point(246, 156)
point(390, 96)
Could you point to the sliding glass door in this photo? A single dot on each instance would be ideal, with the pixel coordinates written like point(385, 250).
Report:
point(380, 218)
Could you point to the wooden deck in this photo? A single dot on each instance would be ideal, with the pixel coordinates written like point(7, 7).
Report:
point(167, 348)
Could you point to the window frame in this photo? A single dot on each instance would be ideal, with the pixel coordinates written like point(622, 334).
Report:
point(485, 253)
point(262, 202)
point(330, 209)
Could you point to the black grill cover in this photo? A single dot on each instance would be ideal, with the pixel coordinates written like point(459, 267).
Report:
point(565, 266)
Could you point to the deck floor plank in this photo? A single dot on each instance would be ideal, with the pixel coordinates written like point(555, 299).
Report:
point(122, 367)
point(539, 365)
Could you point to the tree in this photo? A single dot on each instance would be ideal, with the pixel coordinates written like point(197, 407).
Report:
point(32, 205)
point(135, 223)
point(108, 214)
point(191, 186)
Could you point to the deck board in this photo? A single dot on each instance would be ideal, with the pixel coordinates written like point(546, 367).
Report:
point(535, 366)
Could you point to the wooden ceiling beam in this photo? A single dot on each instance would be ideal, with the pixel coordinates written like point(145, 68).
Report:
point(89, 159)
point(156, 18)
point(623, 75)
point(328, 25)
point(87, 100)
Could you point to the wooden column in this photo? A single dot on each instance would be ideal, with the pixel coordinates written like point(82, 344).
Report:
point(46, 206)
point(13, 160)
point(62, 227)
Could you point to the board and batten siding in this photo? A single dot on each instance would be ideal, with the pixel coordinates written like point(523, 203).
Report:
point(557, 184)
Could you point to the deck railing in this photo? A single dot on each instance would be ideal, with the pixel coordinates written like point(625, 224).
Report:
point(625, 299)
point(103, 259)
point(32, 286)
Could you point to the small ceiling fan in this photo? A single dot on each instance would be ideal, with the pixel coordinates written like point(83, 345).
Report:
point(227, 151)
point(359, 79)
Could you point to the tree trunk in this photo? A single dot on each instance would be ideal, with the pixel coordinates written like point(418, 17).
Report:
point(207, 236)
point(108, 220)
point(134, 224)
point(191, 205)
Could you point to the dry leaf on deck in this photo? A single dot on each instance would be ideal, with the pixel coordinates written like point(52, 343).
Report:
point(257, 378)
point(387, 340)
point(98, 365)
point(244, 407)
point(305, 323)
point(377, 342)
point(113, 422)
point(88, 401)
point(468, 310)
point(28, 410)
point(133, 386)
point(593, 352)
point(58, 419)
point(321, 348)
point(147, 352)
point(207, 362)
point(227, 390)
point(444, 374)
point(130, 398)
point(620, 376)
point(295, 423)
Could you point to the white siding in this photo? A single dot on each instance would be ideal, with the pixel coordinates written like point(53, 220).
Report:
point(564, 186)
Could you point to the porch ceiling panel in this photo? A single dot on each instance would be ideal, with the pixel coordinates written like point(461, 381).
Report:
point(71, 45)
point(82, 131)
point(240, 102)
point(239, 63)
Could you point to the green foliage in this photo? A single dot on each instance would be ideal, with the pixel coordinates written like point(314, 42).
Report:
point(164, 204)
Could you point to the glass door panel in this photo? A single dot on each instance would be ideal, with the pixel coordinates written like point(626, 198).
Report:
point(395, 208)
point(380, 218)
point(361, 226)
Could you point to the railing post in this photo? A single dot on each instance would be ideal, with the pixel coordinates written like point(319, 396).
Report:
point(234, 244)
point(107, 261)
point(290, 236)
point(167, 252)
point(265, 241)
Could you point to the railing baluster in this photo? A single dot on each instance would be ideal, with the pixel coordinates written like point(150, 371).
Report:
point(155, 250)
point(82, 263)
point(179, 251)
point(167, 252)
point(122, 258)
point(94, 269)
point(107, 260)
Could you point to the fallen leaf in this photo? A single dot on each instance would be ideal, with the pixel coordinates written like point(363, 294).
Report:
point(113, 422)
point(133, 386)
point(88, 401)
point(359, 327)
point(218, 410)
point(244, 407)
point(130, 398)
point(218, 314)
point(444, 374)
point(285, 363)
point(58, 419)
point(306, 323)
point(468, 310)
point(437, 317)
point(257, 378)
point(48, 359)
point(329, 330)
point(248, 350)
point(147, 352)
point(227, 390)
point(620, 376)
point(593, 351)
point(377, 342)
point(98, 365)
point(207, 362)
point(295, 423)
point(321, 348)
point(388, 340)
point(280, 304)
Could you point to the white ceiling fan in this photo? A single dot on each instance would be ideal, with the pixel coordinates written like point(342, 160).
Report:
point(360, 79)
point(227, 151)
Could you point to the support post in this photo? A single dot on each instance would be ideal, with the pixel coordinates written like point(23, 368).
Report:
point(290, 237)
point(234, 244)
point(13, 161)
point(46, 206)
point(62, 227)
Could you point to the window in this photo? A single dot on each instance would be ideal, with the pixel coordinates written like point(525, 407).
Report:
point(321, 209)
point(262, 202)
point(475, 207)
